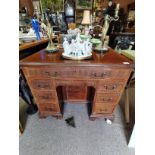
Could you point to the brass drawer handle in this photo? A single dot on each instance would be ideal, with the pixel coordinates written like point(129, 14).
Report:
point(110, 88)
point(50, 74)
point(100, 74)
point(56, 74)
point(107, 99)
point(114, 87)
point(94, 74)
point(103, 74)
point(49, 109)
point(45, 97)
point(103, 110)
point(43, 86)
point(39, 86)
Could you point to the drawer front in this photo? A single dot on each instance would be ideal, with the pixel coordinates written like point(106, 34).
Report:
point(41, 84)
point(45, 96)
point(111, 86)
point(104, 109)
point(49, 107)
point(104, 98)
point(79, 72)
point(76, 93)
point(105, 73)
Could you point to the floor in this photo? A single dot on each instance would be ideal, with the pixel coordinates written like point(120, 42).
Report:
point(54, 137)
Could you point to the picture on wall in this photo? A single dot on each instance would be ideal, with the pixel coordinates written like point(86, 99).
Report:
point(84, 4)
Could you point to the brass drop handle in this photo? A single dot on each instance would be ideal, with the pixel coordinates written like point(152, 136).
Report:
point(43, 86)
point(39, 85)
point(48, 73)
point(107, 99)
point(103, 74)
point(104, 110)
point(111, 88)
point(114, 86)
point(94, 74)
point(105, 86)
point(49, 109)
point(55, 73)
point(45, 97)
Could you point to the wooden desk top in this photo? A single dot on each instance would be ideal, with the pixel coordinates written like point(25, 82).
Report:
point(111, 58)
point(32, 44)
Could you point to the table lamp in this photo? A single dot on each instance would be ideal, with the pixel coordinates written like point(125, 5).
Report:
point(86, 21)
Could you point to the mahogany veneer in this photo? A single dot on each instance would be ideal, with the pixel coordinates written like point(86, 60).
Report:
point(99, 81)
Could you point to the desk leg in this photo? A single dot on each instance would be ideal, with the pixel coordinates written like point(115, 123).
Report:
point(59, 117)
point(42, 116)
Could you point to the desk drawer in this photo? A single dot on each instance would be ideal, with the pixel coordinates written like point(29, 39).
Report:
point(49, 107)
point(76, 93)
point(43, 72)
point(108, 73)
point(41, 84)
point(45, 96)
point(111, 86)
point(105, 98)
point(79, 72)
point(104, 109)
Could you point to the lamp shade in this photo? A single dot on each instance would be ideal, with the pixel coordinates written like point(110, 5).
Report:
point(86, 17)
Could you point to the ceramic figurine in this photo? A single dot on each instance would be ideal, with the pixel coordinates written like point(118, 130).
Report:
point(66, 46)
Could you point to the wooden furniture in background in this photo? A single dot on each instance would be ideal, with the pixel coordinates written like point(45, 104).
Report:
point(32, 44)
point(99, 82)
point(28, 4)
point(26, 49)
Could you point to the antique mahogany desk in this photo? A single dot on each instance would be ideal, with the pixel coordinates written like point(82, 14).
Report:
point(99, 82)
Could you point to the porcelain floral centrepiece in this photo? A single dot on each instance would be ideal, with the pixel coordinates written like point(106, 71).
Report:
point(78, 48)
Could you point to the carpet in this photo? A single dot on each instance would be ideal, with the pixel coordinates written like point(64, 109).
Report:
point(51, 136)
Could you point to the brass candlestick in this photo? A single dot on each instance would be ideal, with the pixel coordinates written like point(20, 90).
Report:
point(51, 47)
point(104, 38)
